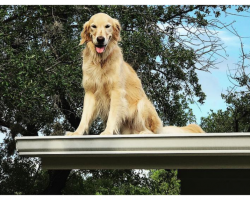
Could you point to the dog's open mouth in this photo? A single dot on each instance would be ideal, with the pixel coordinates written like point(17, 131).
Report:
point(100, 49)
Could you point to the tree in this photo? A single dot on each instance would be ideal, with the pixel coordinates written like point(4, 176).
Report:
point(164, 182)
point(40, 69)
point(135, 182)
point(108, 182)
point(239, 95)
point(236, 117)
point(21, 175)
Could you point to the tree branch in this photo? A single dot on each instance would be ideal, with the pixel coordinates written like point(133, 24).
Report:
point(178, 14)
point(69, 113)
point(31, 130)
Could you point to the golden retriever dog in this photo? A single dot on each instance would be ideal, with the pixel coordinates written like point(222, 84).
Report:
point(113, 90)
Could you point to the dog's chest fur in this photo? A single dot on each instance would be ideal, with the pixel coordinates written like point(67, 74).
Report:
point(101, 80)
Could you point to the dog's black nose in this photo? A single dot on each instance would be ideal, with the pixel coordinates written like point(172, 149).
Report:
point(100, 39)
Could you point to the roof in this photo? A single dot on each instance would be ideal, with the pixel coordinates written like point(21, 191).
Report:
point(166, 151)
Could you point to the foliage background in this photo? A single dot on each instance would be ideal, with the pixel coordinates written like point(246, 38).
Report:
point(41, 93)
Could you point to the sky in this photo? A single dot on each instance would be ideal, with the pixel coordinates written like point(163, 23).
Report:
point(216, 82)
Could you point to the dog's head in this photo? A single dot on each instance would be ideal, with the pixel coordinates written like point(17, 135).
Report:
point(100, 30)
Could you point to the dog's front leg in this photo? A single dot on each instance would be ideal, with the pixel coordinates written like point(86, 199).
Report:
point(88, 115)
point(115, 114)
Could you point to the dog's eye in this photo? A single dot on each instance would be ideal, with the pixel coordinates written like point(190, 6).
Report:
point(93, 26)
point(107, 26)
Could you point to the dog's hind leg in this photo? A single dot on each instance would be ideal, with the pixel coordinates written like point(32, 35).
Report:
point(141, 118)
point(148, 118)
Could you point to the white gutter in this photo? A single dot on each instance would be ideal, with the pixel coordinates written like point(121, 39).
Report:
point(170, 151)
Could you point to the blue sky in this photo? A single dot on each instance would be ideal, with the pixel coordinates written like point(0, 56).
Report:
point(216, 82)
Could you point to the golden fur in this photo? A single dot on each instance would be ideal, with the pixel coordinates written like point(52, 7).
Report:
point(113, 90)
point(191, 128)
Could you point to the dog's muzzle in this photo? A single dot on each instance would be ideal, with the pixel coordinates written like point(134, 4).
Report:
point(100, 47)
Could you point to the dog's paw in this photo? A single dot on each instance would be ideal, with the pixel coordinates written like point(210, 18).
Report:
point(106, 133)
point(72, 134)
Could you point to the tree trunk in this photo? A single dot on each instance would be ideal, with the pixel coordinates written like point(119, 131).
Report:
point(57, 181)
point(58, 178)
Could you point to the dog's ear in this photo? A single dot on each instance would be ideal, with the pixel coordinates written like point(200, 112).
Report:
point(116, 30)
point(85, 35)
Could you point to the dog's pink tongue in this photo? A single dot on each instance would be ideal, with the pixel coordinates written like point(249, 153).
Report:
point(99, 49)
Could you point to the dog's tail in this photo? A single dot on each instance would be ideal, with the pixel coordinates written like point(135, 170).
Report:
point(191, 128)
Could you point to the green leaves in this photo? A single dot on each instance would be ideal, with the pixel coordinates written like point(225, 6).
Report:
point(236, 117)
point(40, 82)
point(165, 182)
point(123, 182)
point(21, 175)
